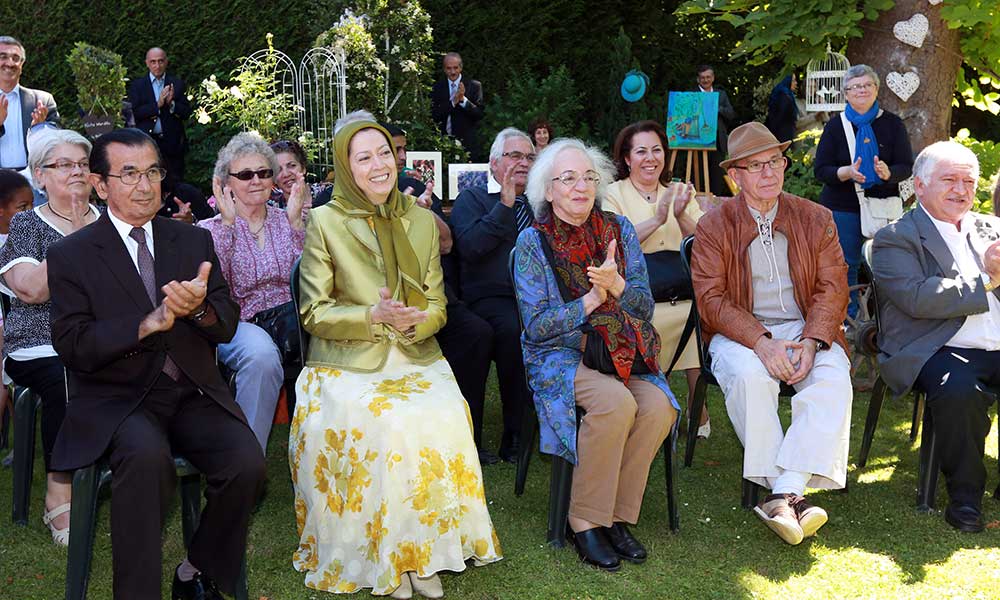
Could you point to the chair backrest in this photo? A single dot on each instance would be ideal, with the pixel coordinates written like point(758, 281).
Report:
point(293, 284)
point(866, 265)
point(687, 246)
point(4, 305)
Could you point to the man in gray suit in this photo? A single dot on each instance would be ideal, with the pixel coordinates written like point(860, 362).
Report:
point(937, 271)
point(20, 107)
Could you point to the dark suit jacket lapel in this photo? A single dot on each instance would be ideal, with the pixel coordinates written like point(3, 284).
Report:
point(114, 255)
point(166, 259)
point(28, 101)
point(934, 243)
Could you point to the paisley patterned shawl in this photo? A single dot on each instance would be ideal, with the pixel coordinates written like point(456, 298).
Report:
point(574, 248)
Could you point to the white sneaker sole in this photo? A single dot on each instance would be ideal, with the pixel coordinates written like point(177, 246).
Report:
point(790, 533)
point(812, 522)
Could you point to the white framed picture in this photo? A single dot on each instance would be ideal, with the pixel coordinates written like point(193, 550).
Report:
point(465, 175)
point(426, 166)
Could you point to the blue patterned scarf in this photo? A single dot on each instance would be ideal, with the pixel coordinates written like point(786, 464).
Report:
point(865, 144)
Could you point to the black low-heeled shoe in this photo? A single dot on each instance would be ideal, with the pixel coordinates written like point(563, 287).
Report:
point(199, 588)
point(964, 517)
point(593, 548)
point(624, 543)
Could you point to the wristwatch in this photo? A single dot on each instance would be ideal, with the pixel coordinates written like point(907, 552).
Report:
point(990, 284)
point(200, 313)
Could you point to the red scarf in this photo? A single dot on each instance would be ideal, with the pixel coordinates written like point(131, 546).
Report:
point(574, 248)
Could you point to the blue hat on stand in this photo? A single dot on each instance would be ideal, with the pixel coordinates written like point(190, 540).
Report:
point(634, 86)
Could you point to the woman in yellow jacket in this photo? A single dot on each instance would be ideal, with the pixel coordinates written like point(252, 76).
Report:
point(388, 487)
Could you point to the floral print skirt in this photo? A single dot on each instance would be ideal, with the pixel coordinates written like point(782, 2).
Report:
point(386, 476)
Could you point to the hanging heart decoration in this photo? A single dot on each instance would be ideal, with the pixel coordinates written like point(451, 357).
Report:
point(903, 85)
point(912, 31)
point(934, 2)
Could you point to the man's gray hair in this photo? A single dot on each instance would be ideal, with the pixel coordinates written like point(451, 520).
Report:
point(927, 160)
point(44, 142)
point(13, 41)
point(352, 117)
point(452, 55)
point(861, 71)
point(496, 150)
point(541, 174)
point(243, 144)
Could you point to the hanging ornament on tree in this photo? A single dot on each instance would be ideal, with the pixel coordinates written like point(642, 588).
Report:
point(903, 85)
point(912, 31)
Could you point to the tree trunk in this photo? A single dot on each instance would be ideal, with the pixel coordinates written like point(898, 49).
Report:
point(927, 113)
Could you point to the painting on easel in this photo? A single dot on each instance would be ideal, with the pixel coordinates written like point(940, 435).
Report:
point(692, 120)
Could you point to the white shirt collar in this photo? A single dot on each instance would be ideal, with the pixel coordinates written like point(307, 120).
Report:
point(16, 92)
point(154, 78)
point(492, 185)
point(711, 89)
point(948, 229)
point(456, 82)
point(124, 229)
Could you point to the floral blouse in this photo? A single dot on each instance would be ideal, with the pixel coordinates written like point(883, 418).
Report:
point(258, 277)
point(551, 338)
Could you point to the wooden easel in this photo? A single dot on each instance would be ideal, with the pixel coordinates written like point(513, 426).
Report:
point(697, 160)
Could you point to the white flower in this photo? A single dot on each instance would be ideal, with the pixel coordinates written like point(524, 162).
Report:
point(203, 117)
point(236, 92)
point(395, 50)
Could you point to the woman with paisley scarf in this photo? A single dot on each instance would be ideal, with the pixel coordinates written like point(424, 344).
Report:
point(388, 488)
point(581, 280)
point(882, 158)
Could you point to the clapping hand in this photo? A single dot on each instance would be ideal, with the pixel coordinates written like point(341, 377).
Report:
point(298, 198)
point(225, 201)
point(40, 113)
point(459, 94)
point(184, 297)
point(3, 108)
point(606, 276)
point(852, 171)
point(991, 261)
point(882, 169)
point(183, 211)
point(393, 312)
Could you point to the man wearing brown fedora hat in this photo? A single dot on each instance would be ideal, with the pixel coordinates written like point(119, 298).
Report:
point(771, 285)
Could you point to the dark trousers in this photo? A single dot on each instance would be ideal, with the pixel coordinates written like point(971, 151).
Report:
point(959, 383)
point(467, 343)
point(45, 377)
point(176, 417)
point(501, 313)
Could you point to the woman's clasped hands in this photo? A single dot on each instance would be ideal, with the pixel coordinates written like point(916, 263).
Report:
point(396, 314)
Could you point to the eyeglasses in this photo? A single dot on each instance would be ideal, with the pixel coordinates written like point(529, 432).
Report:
point(248, 174)
point(519, 156)
point(68, 166)
point(859, 86)
point(776, 164)
point(133, 177)
point(14, 58)
point(570, 178)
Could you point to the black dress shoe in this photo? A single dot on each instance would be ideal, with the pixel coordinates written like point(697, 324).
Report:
point(964, 517)
point(199, 588)
point(594, 549)
point(488, 458)
point(624, 543)
point(510, 444)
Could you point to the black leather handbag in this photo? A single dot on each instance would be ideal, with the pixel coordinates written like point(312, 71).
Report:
point(667, 280)
point(282, 324)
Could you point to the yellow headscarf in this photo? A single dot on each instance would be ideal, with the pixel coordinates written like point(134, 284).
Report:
point(401, 265)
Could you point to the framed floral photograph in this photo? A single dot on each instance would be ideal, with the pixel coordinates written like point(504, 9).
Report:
point(462, 176)
point(425, 166)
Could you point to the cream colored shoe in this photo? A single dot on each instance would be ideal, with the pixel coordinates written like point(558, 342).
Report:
point(428, 587)
point(779, 516)
point(405, 590)
point(59, 536)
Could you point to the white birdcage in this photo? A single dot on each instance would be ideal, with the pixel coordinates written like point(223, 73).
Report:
point(825, 82)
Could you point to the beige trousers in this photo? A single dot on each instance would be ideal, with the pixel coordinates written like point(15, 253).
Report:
point(623, 429)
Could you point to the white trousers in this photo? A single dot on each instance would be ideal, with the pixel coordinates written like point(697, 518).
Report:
point(817, 439)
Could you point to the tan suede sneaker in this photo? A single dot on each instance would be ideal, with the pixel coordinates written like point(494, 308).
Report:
point(778, 514)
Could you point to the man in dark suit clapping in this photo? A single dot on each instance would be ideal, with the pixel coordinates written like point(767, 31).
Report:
point(457, 105)
point(160, 107)
point(138, 307)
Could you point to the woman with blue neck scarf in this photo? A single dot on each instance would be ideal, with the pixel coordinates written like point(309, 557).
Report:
point(882, 157)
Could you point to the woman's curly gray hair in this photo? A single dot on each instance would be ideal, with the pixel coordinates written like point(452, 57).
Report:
point(243, 144)
point(541, 174)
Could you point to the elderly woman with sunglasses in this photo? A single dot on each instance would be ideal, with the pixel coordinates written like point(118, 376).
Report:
point(257, 245)
point(589, 342)
point(60, 166)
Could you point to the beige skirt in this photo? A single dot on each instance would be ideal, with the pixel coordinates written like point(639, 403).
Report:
point(386, 477)
point(669, 319)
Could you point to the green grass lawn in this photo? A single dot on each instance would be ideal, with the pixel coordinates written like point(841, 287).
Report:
point(875, 546)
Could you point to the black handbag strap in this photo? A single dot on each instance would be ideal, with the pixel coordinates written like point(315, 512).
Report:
point(682, 343)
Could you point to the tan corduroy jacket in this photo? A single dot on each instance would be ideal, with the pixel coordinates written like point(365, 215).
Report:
point(341, 273)
point(720, 270)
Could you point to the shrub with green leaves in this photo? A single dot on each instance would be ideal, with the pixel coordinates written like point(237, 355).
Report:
point(100, 80)
point(554, 97)
point(989, 167)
